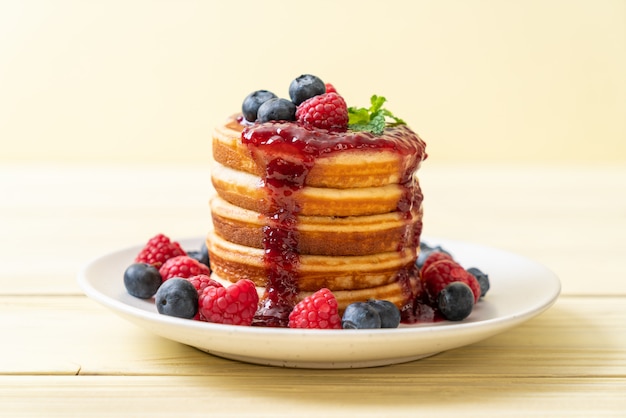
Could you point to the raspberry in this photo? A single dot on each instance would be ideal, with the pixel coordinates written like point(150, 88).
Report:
point(235, 305)
point(434, 257)
point(182, 266)
point(158, 250)
point(330, 88)
point(318, 310)
point(327, 111)
point(438, 274)
point(201, 281)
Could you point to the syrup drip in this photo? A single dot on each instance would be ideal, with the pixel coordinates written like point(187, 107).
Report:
point(280, 239)
point(288, 152)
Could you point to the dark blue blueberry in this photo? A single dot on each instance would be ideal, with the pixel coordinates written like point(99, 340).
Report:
point(277, 109)
point(201, 255)
point(388, 312)
point(142, 280)
point(360, 315)
point(421, 258)
point(305, 87)
point(482, 278)
point(177, 297)
point(253, 101)
point(456, 301)
point(426, 250)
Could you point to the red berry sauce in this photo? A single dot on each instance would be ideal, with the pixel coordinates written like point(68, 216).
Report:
point(288, 151)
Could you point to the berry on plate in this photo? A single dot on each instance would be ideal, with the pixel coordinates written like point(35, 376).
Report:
point(182, 266)
point(319, 310)
point(235, 304)
point(202, 255)
point(158, 250)
point(433, 257)
point(483, 280)
point(456, 301)
point(201, 281)
point(177, 297)
point(426, 250)
point(360, 315)
point(142, 280)
point(388, 312)
point(439, 271)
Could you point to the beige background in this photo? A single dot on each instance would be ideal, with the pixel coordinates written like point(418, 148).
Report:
point(480, 80)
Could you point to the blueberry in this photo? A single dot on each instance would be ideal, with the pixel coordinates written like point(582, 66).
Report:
point(201, 255)
point(142, 280)
point(441, 250)
point(426, 250)
point(177, 297)
point(421, 258)
point(360, 315)
point(277, 109)
point(388, 312)
point(305, 87)
point(456, 301)
point(482, 278)
point(253, 101)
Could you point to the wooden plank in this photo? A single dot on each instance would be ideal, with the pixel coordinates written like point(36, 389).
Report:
point(291, 393)
point(578, 337)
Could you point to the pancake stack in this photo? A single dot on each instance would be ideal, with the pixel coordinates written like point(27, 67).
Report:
point(298, 209)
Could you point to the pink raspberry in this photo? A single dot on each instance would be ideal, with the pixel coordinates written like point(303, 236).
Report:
point(327, 111)
point(201, 281)
point(235, 304)
point(158, 250)
point(438, 274)
point(434, 257)
point(182, 266)
point(330, 88)
point(318, 310)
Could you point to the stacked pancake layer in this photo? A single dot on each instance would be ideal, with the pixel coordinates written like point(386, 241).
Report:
point(299, 209)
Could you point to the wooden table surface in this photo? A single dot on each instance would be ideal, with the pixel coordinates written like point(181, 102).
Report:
point(64, 355)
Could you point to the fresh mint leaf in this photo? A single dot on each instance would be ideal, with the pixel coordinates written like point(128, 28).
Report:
point(358, 116)
point(378, 122)
point(395, 119)
point(377, 103)
point(372, 120)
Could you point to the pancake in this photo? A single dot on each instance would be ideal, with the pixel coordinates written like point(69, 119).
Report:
point(323, 235)
point(234, 262)
point(247, 191)
point(350, 168)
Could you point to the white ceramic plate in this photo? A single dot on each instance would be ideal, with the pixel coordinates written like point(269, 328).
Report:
point(520, 290)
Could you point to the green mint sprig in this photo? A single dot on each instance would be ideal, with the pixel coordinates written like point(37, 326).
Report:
point(374, 119)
